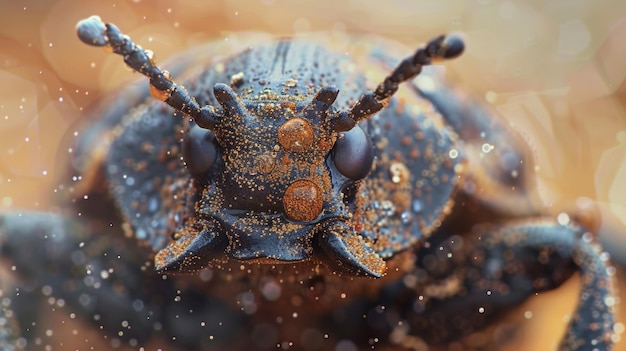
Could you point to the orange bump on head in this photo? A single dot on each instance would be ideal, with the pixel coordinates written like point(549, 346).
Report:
point(264, 163)
point(303, 201)
point(296, 135)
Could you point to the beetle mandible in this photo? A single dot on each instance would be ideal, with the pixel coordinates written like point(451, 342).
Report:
point(289, 186)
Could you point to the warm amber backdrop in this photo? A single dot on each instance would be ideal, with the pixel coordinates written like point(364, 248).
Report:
point(556, 69)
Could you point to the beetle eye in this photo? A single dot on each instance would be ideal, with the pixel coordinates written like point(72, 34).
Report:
point(199, 150)
point(353, 154)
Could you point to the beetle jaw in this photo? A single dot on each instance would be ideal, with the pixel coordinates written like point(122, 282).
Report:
point(193, 246)
point(347, 251)
point(208, 242)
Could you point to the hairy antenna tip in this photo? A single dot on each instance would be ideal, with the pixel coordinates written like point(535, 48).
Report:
point(91, 31)
point(454, 46)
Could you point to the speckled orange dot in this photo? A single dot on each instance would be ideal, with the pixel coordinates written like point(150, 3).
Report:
point(296, 135)
point(158, 94)
point(264, 163)
point(399, 173)
point(302, 201)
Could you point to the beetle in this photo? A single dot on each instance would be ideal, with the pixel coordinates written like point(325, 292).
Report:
point(286, 204)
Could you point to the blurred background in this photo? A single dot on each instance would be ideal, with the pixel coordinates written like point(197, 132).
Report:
point(555, 69)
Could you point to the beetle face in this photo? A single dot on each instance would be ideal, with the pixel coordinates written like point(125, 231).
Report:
point(271, 180)
point(273, 157)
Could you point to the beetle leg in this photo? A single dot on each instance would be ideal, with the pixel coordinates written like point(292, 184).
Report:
point(498, 267)
point(9, 325)
point(101, 276)
point(51, 254)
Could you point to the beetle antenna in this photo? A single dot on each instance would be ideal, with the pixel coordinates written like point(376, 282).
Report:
point(370, 103)
point(92, 31)
point(322, 101)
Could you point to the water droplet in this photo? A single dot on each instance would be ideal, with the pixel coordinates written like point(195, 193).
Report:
point(563, 218)
point(406, 217)
point(417, 206)
point(153, 204)
point(454, 153)
point(271, 290)
point(611, 270)
point(141, 234)
point(486, 148)
point(138, 305)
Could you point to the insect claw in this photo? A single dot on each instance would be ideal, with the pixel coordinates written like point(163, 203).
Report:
point(349, 251)
point(192, 250)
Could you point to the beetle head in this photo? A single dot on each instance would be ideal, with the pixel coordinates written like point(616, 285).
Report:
point(274, 178)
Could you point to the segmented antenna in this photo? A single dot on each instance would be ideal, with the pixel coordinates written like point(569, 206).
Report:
point(92, 31)
point(371, 102)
